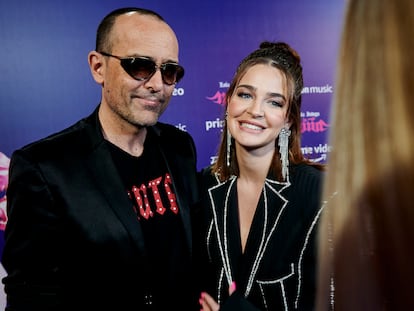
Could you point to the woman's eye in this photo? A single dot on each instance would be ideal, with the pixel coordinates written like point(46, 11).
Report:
point(276, 103)
point(243, 95)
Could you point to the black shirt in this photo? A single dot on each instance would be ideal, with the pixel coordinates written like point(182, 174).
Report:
point(149, 187)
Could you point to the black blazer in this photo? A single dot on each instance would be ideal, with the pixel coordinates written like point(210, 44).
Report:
point(72, 240)
point(277, 269)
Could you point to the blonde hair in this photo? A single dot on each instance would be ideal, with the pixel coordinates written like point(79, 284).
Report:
point(370, 166)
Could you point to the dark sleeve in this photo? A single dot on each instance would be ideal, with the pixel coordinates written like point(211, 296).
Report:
point(200, 261)
point(184, 156)
point(308, 266)
point(30, 254)
point(311, 184)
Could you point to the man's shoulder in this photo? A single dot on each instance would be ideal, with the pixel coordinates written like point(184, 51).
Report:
point(61, 143)
point(56, 137)
point(172, 136)
point(304, 169)
point(210, 179)
point(169, 130)
point(307, 183)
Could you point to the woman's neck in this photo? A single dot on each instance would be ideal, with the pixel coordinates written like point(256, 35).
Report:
point(253, 166)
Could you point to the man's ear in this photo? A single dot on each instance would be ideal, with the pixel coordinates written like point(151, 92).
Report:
point(96, 66)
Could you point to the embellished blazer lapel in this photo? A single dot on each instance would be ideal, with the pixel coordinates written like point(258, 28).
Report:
point(270, 209)
point(276, 196)
point(219, 201)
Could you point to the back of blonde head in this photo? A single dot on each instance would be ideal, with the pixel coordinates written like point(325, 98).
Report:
point(368, 227)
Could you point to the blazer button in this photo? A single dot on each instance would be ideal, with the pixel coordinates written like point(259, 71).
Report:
point(148, 299)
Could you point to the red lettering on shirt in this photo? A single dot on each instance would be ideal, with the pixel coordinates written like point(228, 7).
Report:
point(141, 198)
point(141, 195)
point(171, 196)
point(153, 185)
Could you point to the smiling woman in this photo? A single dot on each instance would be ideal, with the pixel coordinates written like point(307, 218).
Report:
point(257, 110)
point(260, 191)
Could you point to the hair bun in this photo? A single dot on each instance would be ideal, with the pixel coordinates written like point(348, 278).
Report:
point(281, 46)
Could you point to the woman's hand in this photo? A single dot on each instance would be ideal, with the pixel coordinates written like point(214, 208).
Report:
point(209, 304)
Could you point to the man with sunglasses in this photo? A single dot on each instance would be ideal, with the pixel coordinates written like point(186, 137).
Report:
point(99, 214)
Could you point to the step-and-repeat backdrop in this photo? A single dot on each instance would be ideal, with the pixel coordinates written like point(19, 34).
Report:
point(45, 83)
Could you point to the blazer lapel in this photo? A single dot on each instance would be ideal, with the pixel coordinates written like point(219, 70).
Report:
point(177, 167)
point(220, 203)
point(271, 207)
point(108, 180)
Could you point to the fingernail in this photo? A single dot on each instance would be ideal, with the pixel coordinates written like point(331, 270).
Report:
point(233, 286)
point(203, 295)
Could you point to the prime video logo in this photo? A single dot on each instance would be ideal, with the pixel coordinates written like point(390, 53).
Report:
point(214, 124)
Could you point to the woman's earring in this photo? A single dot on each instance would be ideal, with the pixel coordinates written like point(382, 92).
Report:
point(228, 145)
point(228, 151)
point(284, 150)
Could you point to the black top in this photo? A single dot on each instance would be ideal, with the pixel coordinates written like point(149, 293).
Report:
point(153, 199)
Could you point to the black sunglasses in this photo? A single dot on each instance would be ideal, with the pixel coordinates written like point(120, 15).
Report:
point(142, 68)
